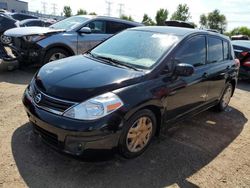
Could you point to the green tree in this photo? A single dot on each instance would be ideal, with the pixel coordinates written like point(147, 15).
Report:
point(203, 21)
point(161, 16)
point(92, 13)
point(217, 21)
point(81, 12)
point(67, 11)
point(125, 17)
point(147, 20)
point(240, 31)
point(182, 13)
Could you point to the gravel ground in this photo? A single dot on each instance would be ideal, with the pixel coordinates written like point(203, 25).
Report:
point(209, 150)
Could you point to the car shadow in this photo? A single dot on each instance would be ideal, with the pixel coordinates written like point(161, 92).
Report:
point(19, 76)
point(193, 144)
point(243, 85)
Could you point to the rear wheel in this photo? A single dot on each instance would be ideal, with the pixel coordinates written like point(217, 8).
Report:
point(225, 99)
point(55, 54)
point(138, 133)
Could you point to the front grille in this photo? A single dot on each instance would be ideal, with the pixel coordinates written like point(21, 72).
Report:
point(46, 135)
point(49, 103)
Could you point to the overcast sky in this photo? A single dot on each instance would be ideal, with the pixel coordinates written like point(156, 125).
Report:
point(236, 11)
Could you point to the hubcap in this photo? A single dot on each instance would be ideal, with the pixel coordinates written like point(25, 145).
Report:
point(56, 56)
point(5, 39)
point(226, 97)
point(139, 134)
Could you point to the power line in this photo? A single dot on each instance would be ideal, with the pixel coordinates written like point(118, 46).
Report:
point(120, 10)
point(44, 6)
point(54, 8)
point(108, 3)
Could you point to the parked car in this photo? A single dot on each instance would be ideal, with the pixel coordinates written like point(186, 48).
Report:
point(127, 89)
point(5, 24)
point(34, 22)
point(242, 52)
point(74, 35)
point(239, 37)
point(21, 16)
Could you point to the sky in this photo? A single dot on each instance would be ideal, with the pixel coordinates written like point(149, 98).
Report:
point(237, 12)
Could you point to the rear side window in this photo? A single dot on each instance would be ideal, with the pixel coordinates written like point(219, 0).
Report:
point(215, 50)
point(115, 27)
point(226, 50)
point(193, 51)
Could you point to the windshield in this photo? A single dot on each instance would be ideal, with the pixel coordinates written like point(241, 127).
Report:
point(140, 49)
point(69, 23)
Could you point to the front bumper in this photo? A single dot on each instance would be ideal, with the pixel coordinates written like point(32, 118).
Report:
point(73, 136)
point(27, 52)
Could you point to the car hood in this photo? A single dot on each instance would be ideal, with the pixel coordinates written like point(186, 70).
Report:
point(79, 78)
point(26, 31)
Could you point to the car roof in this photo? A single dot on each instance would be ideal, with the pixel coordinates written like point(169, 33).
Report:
point(30, 20)
point(179, 31)
point(111, 19)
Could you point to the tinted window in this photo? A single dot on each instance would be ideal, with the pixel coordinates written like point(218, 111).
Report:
point(226, 50)
point(193, 51)
point(33, 23)
point(115, 27)
point(215, 50)
point(97, 26)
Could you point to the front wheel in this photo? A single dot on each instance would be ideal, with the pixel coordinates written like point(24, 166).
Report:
point(55, 54)
point(5, 39)
point(225, 99)
point(137, 134)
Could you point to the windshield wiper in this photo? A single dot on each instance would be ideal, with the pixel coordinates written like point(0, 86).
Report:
point(114, 61)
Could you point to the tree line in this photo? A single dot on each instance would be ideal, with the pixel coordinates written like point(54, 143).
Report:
point(213, 20)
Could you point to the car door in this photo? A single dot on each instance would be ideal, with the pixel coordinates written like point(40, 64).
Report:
point(188, 93)
point(97, 35)
point(220, 64)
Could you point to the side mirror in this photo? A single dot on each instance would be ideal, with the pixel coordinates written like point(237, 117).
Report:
point(85, 30)
point(183, 69)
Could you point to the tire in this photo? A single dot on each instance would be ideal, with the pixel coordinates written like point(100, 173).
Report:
point(141, 126)
point(5, 40)
point(59, 53)
point(225, 99)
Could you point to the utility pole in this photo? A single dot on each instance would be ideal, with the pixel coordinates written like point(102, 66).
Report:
point(120, 10)
point(44, 6)
point(54, 8)
point(108, 3)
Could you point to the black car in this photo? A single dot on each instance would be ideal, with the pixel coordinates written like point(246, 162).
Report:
point(242, 52)
point(34, 22)
point(5, 24)
point(21, 16)
point(128, 88)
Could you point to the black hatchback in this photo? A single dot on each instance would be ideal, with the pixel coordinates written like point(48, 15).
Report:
point(127, 89)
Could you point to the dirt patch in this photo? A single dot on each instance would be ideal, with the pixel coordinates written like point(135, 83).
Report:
point(209, 150)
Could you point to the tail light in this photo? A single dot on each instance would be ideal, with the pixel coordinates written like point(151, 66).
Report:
point(246, 64)
point(244, 54)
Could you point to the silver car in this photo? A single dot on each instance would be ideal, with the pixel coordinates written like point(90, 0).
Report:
point(71, 36)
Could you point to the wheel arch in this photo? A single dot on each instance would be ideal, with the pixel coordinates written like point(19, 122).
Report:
point(62, 46)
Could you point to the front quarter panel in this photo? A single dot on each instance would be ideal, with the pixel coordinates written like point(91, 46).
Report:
point(68, 39)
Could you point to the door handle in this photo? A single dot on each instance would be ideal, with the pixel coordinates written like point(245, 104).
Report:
point(205, 75)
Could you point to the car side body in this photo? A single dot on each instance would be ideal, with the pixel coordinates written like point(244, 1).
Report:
point(170, 90)
point(67, 42)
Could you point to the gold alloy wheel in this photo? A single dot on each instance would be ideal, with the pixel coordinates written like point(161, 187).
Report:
point(227, 96)
point(139, 134)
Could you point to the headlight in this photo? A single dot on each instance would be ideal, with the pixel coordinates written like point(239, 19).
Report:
point(34, 38)
point(95, 108)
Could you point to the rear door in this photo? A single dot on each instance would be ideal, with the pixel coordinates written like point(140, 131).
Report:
point(189, 93)
point(220, 61)
point(97, 35)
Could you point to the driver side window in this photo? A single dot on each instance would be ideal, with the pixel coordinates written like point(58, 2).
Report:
point(193, 51)
point(97, 27)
